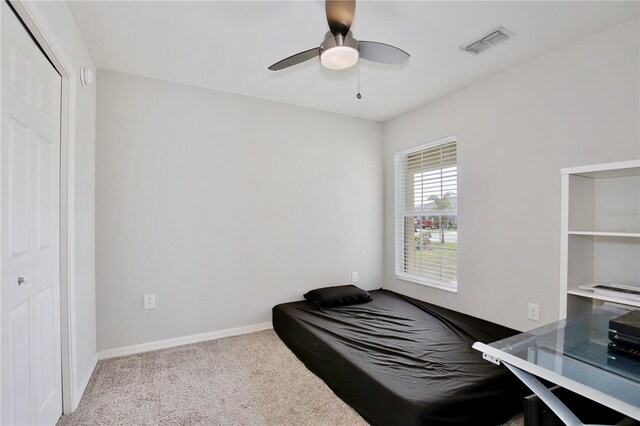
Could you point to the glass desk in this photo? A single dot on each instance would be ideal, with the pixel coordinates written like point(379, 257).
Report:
point(573, 353)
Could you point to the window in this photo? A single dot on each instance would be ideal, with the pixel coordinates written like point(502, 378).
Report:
point(426, 214)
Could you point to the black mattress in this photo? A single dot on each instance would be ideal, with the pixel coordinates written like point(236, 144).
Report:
point(399, 361)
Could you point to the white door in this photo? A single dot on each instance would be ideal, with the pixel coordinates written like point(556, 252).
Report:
point(30, 366)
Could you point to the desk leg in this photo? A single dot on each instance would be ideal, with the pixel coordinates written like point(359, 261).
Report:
point(546, 396)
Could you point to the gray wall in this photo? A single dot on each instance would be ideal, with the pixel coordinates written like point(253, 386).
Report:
point(575, 106)
point(223, 206)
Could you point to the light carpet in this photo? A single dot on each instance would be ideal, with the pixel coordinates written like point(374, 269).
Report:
point(251, 379)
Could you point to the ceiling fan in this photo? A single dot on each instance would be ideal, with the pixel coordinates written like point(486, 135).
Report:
point(340, 50)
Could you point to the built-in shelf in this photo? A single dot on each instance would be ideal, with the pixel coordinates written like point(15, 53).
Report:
point(606, 234)
point(600, 233)
point(591, 295)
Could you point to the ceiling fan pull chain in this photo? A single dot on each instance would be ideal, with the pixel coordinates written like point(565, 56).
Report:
point(359, 96)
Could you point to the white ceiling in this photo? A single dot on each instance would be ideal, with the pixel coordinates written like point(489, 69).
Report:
point(228, 45)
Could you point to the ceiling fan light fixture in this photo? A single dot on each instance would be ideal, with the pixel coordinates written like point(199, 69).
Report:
point(339, 57)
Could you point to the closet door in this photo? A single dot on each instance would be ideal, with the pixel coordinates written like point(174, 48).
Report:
point(30, 365)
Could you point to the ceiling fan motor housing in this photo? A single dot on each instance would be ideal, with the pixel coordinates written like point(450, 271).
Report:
point(331, 40)
point(339, 51)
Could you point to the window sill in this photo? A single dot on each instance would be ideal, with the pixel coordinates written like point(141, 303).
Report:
point(428, 283)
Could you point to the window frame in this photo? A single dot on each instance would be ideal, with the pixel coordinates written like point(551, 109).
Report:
point(400, 217)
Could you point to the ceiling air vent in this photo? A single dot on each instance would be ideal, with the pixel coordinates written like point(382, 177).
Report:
point(494, 37)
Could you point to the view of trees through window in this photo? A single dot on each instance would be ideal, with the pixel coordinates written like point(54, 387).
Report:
point(435, 232)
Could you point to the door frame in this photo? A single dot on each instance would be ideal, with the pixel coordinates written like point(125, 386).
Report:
point(70, 79)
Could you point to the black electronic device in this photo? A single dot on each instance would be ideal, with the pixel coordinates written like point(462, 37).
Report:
point(625, 330)
point(626, 350)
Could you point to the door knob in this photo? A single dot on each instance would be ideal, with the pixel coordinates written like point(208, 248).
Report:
point(22, 280)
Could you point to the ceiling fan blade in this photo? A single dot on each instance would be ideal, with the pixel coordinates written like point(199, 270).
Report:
point(382, 53)
point(340, 15)
point(295, 59)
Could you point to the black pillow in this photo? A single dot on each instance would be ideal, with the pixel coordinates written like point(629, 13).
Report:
point(342, 295)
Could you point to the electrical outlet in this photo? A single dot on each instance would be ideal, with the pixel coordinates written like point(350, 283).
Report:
point(149, 301)
point(354, 277)
point(534, 312)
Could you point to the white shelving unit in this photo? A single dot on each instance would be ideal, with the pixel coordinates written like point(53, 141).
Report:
point(600, 227)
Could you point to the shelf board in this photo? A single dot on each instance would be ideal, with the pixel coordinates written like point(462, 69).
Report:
point(606, 234)
point(591, 295)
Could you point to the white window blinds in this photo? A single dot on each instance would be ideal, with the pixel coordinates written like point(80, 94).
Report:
point(426, 179)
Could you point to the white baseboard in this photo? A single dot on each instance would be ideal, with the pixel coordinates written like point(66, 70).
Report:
point(184, 340)
point(84, 382)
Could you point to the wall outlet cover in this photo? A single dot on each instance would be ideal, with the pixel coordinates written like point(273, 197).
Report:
point(149, 301)
point(533, 312)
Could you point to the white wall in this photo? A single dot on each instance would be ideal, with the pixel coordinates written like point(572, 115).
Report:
point(516, 130)
point(223, 206)
point(56, 24)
